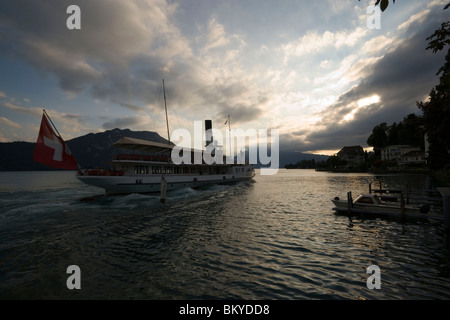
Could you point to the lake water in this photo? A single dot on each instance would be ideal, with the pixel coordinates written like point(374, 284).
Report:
point(275, 238)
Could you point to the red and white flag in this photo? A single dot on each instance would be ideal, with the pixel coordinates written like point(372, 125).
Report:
point(51, 149)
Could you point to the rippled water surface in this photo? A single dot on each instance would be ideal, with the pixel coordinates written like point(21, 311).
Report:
point(273, 238)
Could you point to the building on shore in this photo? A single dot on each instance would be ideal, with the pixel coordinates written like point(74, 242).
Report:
point(352, 155)
point(402, 154)
point(413, 157)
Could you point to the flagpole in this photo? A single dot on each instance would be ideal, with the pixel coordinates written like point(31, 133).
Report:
point(229, 135)
point(54, 127)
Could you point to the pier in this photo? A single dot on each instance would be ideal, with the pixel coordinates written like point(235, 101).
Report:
point(436, 201)
point(412, 196)
point(445, 192)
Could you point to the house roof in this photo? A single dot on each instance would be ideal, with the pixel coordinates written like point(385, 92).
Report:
point(352, 150)
point(143, 145)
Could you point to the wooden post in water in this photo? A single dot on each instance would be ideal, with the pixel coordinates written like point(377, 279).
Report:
point(445, 192)
point(429, 183)
point(163, 189)
point(446, 199)
point(349, 202)
point(370, 187)
point(402, 206)
point(408, 191)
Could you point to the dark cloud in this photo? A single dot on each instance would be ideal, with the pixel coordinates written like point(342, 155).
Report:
point(114, 36)
point(232, 97)
point(132, 107)
point(402, 77)
point(240, 114)
point(125, 122)
point(122, 52)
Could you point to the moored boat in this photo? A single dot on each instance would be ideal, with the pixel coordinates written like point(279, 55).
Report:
point(372, 204)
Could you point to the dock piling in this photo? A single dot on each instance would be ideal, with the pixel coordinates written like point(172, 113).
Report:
point(402, 206)
point(446, 199)
point(408, 192)
point(163, 189)
point(445, 192)
point(349, 202)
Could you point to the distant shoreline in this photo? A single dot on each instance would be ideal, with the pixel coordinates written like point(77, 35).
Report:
point(379, 171)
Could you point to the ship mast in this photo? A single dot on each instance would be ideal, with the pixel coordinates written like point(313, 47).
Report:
point(165, 106)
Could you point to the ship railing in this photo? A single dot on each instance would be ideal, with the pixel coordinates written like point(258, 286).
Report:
point(140, 157)
point(100, 172)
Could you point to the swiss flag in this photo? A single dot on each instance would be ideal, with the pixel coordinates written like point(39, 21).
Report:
point(51, 149)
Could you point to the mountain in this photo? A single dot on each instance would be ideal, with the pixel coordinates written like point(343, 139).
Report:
point(18, 156)
point(292, 157)
point(94, 150)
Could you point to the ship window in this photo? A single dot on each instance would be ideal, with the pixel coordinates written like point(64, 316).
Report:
point(143, 170)
point(377, 199)
point(136, 169)
point(366, 200)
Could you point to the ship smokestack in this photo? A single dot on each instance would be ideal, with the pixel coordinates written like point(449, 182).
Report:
point(208, 132)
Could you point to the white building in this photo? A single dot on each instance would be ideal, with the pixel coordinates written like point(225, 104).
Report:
point(411, 157)
point(353, 155)
point(396, 152)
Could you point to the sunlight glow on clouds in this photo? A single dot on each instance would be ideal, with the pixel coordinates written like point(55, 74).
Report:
point(309, 69)
point(368, 101)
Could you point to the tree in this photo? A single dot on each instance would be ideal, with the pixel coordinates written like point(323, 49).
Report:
point(436, 114)
point(378, 139)
point(334, 162)
point(411, 131)
point(441, 37)
point(393, 133)
point(385, 3)
point(436, 111)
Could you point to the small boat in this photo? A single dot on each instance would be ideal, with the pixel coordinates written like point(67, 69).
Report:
point(372, 204)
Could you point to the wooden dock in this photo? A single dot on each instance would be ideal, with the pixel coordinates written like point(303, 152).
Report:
point(412, 196)
point(445, 192)
point(389, 215)
point(436, 198)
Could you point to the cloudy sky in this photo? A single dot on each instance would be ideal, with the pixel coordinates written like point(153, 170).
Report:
point(314, 70)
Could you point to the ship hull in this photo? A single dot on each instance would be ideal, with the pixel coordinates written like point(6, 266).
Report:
point(152, 183)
